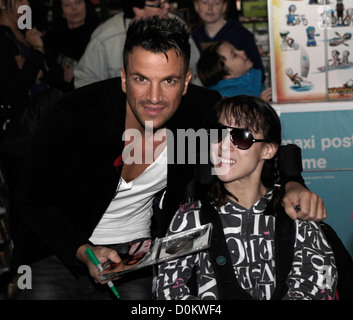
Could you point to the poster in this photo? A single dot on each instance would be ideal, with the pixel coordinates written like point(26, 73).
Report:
point(311, 45)
point(325, 134)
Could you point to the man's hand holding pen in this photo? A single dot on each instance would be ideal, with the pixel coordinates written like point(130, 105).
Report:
point(102, 254)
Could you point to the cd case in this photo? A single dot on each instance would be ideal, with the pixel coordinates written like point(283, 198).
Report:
point(163, 249)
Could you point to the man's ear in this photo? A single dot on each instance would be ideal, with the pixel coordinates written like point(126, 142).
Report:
point(123, 79)
point(188, 78)
point(139, 13)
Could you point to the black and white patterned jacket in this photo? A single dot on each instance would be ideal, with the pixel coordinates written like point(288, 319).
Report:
point(250, 238)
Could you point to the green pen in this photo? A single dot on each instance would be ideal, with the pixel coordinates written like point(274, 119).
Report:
point(96, 262)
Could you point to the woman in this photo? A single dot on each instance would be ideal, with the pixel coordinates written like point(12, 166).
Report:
point(74, 22)
point(248, 135)
point(21, 60)
point(21, 65)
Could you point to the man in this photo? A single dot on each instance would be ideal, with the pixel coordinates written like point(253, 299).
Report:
point(103, 56)
point(77, 193)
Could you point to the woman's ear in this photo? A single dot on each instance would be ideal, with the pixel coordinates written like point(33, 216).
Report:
point(270, 150)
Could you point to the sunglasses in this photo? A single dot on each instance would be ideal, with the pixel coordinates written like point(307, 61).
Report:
point(241, 138)
point(159, 5)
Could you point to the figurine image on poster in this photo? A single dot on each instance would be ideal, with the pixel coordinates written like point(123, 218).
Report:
point(287, 42)
point(348, 20)
point(294, 19)
point(336, 62)
point(310, 33)
point(291, 17)
point(336, 41)
point(327, 19)
point(335, 58)
point(339, 10)
point(300, 83)
point(345, 55)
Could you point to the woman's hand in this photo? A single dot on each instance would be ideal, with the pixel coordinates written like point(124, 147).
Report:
point(33, 38)
point(68, 74)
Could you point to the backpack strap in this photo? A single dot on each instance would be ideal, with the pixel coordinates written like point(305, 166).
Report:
point(284, 252)
point(227, 284)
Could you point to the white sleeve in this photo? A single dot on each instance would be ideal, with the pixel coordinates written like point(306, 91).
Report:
point(92, 65)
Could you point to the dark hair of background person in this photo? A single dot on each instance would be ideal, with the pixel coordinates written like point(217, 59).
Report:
point(210, 67)
point(59, 20)
point(127, 5)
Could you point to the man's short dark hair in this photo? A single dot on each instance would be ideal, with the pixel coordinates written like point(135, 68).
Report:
point(127, 6)
point(158, 35)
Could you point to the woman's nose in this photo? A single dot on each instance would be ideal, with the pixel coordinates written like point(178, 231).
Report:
point(226, 144)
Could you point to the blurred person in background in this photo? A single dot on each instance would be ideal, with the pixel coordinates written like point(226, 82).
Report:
point(74, 21)
point(215, 26)
point(103, 58)
point(21, 65)
point(224, 68)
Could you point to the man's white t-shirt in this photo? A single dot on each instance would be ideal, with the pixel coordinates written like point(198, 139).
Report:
point(128, 216)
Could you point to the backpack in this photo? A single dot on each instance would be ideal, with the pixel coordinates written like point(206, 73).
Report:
point(228, 286)
point(344, 263)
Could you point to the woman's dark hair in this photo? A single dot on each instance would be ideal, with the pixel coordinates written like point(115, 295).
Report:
point(254, 114)
point(158, 35)
point(59, 20)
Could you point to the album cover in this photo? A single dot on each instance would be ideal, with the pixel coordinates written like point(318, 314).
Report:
point(163, 249)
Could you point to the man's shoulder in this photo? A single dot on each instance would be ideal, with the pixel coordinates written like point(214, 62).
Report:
point(195, 105)
point(113, 27)
point(90, 95)
point(198, 91)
